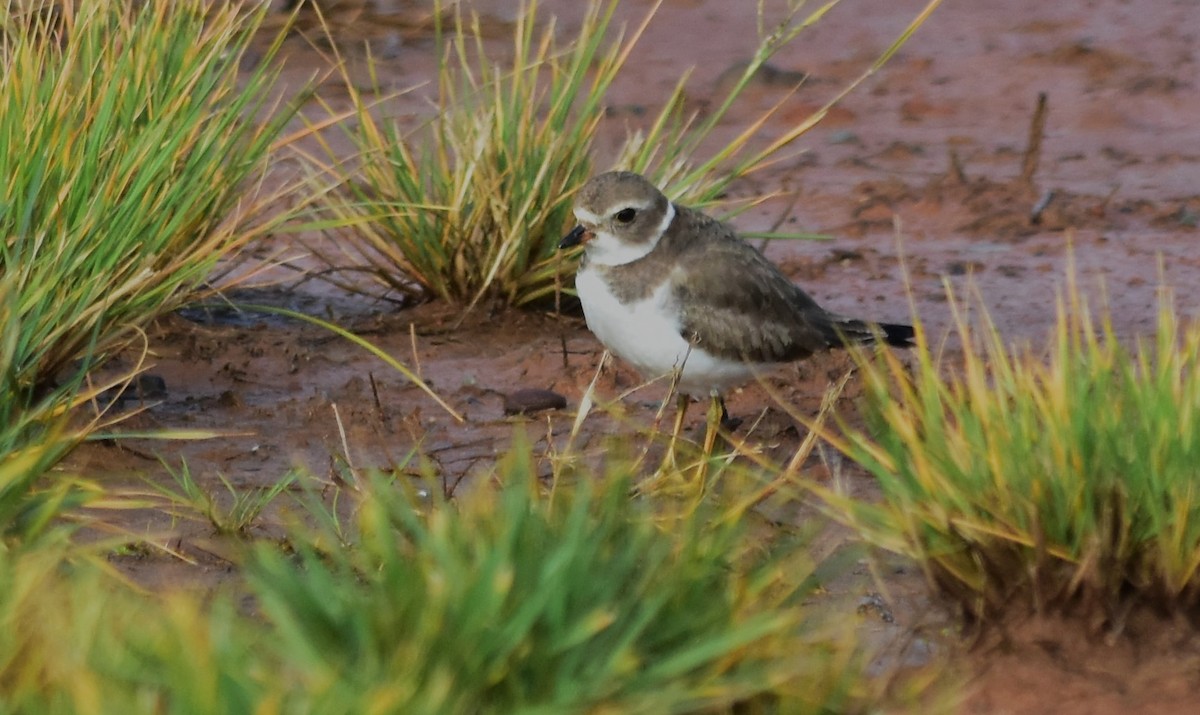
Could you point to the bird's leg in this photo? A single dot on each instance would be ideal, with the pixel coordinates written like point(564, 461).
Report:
point(681, 405)
point(717, 416)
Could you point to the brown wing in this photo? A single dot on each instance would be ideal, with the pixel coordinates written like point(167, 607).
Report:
point(737, 305)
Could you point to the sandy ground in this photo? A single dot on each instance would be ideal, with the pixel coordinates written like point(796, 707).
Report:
point(918, 176)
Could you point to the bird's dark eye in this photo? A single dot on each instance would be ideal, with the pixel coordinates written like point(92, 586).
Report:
point(625, 215)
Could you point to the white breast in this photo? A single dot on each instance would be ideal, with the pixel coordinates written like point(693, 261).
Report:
point(646, 334)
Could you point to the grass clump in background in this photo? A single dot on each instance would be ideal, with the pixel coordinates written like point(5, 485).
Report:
point(133, 164)
point(471, 206)
point(1057, 480)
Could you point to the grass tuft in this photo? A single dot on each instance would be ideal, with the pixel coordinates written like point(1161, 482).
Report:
point(133, 165)
point(1049, 480)
point(234, 512)
point(472, 205)
point(569, 599)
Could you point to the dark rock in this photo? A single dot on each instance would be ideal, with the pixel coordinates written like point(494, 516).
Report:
point(962, 268)
point(144, 387)
point(530, 400)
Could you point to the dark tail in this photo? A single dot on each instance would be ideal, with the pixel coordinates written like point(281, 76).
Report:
point(847, 331)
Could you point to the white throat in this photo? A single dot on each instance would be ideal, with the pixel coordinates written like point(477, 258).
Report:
point(606, 249)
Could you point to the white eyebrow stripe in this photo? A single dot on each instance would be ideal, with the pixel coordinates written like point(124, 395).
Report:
point(620, 206)
point(587, 217)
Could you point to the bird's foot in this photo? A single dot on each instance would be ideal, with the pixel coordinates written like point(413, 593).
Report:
point(727, 423)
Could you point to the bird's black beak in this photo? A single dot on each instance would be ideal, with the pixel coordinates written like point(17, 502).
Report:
point(577, 236)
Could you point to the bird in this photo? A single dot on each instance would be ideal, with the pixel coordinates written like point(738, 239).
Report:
point(672, 291)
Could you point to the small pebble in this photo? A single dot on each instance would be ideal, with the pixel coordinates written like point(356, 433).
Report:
point(844, 137)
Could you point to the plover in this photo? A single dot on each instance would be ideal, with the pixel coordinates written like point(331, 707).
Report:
point(670, 290)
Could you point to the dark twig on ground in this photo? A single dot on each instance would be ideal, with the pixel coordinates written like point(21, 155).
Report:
point(1033, 149)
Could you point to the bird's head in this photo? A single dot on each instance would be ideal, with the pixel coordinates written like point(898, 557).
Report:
point(621, 218)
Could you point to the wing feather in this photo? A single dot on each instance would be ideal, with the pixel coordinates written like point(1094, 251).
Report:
point(735, 303)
